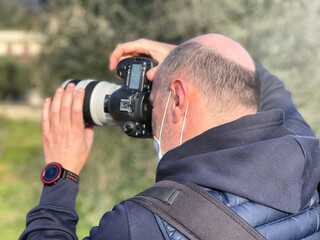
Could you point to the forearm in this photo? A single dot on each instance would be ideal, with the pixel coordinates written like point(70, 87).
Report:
point(274, 95)
point(55, 216)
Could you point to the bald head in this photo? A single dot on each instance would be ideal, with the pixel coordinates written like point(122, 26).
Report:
point(227, 48)
point(221, 70)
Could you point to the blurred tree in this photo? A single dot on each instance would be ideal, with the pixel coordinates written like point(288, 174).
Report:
point(284, 36)
point(81, 34)
point(18, 14)
point(76, 45)
point(15, 79)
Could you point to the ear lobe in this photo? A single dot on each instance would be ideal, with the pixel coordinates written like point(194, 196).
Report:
point(179, 89)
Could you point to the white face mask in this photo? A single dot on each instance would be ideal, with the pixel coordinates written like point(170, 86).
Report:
point(156, 142)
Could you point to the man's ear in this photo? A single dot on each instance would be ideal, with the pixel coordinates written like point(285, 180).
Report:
point(180, 95)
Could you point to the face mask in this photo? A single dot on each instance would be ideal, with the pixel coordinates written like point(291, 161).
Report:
point(156, 142)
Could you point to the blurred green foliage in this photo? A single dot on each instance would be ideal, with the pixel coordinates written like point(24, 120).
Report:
point(15, 78)
point(282, 35)
point(20, 161)
point(20, 14)
point(80, 35)
point(118, 168)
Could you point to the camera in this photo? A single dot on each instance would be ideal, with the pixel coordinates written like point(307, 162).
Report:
point(126, 105)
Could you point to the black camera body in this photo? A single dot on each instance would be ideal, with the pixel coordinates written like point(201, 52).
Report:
point(130, 104)
point(126, 105)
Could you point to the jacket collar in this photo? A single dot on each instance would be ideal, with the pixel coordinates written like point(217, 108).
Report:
point(256, 157)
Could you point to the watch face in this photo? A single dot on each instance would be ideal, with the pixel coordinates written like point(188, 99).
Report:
point(51, 173)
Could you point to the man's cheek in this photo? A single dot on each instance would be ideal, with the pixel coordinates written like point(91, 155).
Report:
point(154, 125)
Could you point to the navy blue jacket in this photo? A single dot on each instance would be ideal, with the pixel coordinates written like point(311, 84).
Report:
point(263, 166)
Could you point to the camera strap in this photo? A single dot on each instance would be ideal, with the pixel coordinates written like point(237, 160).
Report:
point(194, 212)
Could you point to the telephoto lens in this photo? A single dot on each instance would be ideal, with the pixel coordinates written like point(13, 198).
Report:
point(125, 105)
point(96, 93)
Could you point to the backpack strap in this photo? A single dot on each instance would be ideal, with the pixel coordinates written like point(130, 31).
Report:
point(194, 212)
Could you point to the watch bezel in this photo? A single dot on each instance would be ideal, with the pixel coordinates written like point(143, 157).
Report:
point(58, 175)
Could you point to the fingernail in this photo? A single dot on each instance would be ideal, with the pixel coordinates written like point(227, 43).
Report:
point(81, 90)
point(59, 90)
point(70, 85)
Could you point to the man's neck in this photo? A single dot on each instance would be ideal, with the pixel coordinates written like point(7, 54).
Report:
point(204, 120)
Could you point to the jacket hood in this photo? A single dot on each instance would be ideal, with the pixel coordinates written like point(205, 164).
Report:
point(256, 157)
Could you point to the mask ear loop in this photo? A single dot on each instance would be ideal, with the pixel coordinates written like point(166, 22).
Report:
point(184, 121)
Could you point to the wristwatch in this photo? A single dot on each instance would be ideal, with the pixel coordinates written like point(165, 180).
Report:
point(54, 171)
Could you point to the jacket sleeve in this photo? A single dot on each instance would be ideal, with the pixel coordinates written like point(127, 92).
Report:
point(275, 96)
point(55, 217)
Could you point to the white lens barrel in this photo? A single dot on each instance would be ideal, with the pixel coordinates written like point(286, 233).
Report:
point(98, 115)
point(96, 92)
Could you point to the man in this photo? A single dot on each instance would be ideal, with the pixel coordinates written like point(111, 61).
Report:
point(253, 152)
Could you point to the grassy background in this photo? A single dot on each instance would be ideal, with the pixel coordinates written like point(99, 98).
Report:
point(107, 179)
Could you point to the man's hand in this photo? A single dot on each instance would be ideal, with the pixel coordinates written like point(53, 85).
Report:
point(156, 50)
point(65, 138)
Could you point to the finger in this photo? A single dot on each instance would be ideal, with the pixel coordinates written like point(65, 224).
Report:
point(125, 49)
point(66, 105)
point(56, 108)
point(150, 74)
point(77, 105)
point(45, 116)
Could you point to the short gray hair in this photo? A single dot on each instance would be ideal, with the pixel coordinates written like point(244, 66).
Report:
point(217, 77)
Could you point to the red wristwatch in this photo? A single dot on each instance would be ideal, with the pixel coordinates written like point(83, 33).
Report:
point(54, 171)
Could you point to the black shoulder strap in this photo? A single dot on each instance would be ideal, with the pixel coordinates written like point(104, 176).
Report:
point(194, 212)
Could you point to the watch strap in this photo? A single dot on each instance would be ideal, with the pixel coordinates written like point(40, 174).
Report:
point(68, 175)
